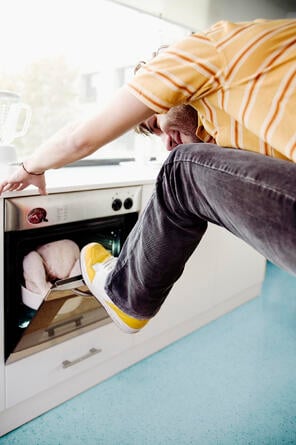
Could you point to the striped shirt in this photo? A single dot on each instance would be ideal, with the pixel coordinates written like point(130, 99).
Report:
point(241, 79)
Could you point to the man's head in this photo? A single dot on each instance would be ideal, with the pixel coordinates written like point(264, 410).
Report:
point(177, 126)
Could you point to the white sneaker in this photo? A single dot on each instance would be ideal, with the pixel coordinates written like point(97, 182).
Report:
point(96, 264)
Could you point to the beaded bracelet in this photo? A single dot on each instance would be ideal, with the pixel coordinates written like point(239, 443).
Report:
point(30, 173)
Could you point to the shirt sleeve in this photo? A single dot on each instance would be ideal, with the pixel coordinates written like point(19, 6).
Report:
point(179, 75)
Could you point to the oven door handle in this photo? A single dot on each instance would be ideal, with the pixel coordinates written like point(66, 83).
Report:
point(72, 284)
point(68, 283)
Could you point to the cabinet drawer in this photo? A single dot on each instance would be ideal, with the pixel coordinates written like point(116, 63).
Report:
point(29, 376)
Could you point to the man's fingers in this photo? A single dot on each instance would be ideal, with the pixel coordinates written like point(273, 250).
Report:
point(18, 183)
point(42, 190)
point(6, 187)
point(11, 186)
point(2, 185)
point(21, 186)
point(14, 186)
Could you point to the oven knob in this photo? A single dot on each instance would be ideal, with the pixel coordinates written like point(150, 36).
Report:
point(116, 204)
point(37, 216)
point(128, 203)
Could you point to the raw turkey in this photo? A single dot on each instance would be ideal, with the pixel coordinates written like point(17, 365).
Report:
point(34, 274)
point(59, 258)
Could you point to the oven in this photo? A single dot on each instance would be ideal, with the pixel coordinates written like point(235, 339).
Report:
point(68, 309)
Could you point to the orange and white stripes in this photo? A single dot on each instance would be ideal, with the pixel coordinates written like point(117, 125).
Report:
point(204, 67)
point(171, 80)
point(232, 36)
point(286, 89)
point(150, 99)
point(245, 54)
point(255, 84)
point(240, 77)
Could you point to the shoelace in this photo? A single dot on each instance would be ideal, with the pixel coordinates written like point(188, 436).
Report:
point(109, 264)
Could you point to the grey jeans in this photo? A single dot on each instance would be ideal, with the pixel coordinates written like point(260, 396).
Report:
point(251, 195)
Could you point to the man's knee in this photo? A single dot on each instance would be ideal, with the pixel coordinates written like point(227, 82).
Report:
point(178, 175)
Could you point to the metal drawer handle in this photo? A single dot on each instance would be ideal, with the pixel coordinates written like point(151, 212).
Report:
point(92, 351)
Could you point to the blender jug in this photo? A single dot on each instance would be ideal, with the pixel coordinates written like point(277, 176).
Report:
point(11, 113)
point(15, 119)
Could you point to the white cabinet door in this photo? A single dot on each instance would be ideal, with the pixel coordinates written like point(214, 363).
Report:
point(147, 190)
point(238, 267)
point(39, 372)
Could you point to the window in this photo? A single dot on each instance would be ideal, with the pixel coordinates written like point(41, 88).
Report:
point(57, 55)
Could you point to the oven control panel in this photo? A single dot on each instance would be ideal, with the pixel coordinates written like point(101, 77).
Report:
point(30, 212)
point(118, 203)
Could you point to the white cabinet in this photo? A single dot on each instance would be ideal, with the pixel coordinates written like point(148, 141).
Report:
point(221, 274)
point(41, 371)
point(147, 191)
point(238, 267)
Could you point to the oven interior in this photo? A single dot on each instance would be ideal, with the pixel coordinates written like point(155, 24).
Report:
point(67, 312)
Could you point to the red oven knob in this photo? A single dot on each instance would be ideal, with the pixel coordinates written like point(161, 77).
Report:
point(37, 215)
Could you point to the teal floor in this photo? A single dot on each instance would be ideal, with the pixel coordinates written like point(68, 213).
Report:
point(231, 382)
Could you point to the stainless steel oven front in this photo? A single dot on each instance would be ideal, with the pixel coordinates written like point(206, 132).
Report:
point(68, 309)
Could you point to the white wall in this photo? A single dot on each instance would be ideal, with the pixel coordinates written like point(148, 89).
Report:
point(191, 13)
point(248, 9)
point(199, 14)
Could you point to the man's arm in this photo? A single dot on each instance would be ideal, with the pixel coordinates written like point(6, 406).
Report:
point(79, 140)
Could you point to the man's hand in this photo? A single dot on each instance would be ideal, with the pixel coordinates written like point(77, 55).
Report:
point(20, 179)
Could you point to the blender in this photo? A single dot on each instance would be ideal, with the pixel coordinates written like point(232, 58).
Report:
point(15, 119)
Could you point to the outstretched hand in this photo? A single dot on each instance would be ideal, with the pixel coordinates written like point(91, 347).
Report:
point(20, 179)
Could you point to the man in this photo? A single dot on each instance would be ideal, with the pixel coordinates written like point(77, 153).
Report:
point(232, 86)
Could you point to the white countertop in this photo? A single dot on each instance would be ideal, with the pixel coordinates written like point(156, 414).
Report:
point(85, 178)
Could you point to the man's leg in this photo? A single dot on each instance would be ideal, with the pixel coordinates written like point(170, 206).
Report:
point(251, 195)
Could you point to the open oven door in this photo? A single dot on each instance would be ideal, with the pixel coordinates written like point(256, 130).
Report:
point(67, 310)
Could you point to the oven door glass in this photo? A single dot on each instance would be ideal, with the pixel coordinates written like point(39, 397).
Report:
point(68, 309)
